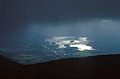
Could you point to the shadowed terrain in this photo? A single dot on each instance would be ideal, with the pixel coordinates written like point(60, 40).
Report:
point(106, 66)
point(9, 68)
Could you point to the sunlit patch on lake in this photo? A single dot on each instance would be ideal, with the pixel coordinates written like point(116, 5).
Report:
point(79, 42)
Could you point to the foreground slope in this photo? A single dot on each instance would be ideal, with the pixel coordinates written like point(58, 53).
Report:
point(107, 66)
point(9, 68)
point(90, 67)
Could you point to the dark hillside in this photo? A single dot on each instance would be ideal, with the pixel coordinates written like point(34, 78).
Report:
point(106, 66)
point(9, 68)
point(90, 67)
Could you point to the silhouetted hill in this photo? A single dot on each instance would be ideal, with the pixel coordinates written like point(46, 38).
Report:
point(90, 67)
point(107, 66)
point(9, 68)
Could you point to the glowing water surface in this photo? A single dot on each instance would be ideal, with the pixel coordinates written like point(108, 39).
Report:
point(64, 41)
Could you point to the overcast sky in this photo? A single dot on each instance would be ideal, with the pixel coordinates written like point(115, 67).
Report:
point(16, 15)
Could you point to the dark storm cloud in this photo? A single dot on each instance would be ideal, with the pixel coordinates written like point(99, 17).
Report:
point(16, 15)
point(47, 10)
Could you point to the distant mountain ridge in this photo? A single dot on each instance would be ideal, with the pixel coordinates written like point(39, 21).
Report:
point(106, 66)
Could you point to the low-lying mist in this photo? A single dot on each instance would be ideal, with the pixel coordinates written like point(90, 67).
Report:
point(99, 30)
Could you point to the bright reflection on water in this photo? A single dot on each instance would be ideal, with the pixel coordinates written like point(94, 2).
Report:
point(64, 41)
